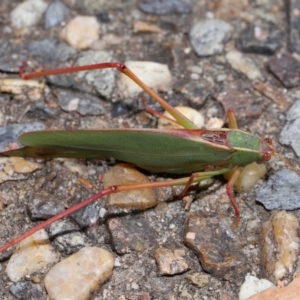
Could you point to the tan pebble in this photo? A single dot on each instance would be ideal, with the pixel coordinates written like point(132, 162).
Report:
point(170, 262)
point(141, 26)
point(86, 183)
point(77, 276)
point(124, 174)
point(200, 280)
point(243, 64)
point(32, 88)
point(81, 32)
point(280, 244)
point(31, 255)
point(17, 86)
point(23, 166)
point(75, 166)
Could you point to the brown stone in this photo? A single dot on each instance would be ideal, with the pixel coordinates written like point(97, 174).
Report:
point(217, 246)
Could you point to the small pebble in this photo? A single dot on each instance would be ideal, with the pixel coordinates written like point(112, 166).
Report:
point(243, 65)
point(164, 7)
point(188, 112)
point(43, 207)
point(56, 13)
point(22, 166)
point(209, 36)
point(123, 174)
point(219, 253)
point(279, 292)
point(49, 49)
point(61, 227)
point(76, 167)
point(281, 191)
point(32, 89)
point(81, 32)
point(261, 40)
point(170, 262)
point(287, 69)
point(156, 76)
point(198, 279)
point(252, 286)
point(77, 276)
point(143, 27)
point(28, 13)
point(83, 103)
point(31, 255)
point(87, 216)
point(129, 234)
point(70, 242)
point(26, 290)
point(273, 93)
point(280, 245)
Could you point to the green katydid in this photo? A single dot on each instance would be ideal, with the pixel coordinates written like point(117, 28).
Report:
point(204, 153)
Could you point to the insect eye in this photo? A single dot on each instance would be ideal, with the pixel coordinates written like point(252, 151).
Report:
point(266, 156)
point(269, 141)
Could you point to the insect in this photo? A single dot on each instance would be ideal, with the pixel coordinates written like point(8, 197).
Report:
point(203, 153)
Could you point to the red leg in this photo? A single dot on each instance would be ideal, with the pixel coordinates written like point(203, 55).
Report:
point(229, 187)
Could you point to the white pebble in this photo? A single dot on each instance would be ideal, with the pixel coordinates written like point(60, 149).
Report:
point(32, 255)
point(243, 64)
point(28, 13)
point(253, 286)
point(156, 76)
point(188, 112)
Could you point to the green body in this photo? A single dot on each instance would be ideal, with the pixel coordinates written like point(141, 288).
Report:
point(171, 151)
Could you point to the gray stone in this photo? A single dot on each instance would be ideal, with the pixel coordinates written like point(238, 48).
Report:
point(209, 36)
point(280, 192)
point(56, 13)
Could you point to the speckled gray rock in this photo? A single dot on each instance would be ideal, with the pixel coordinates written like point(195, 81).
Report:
point(71, 242)
point(42, 207)
point(209, 36)
point(290, 133)
point(27, 290)
point(100, 82)
point(51, 50)
point(87, 216)
point(262, 40)
point(281, 191)
point(83, 103)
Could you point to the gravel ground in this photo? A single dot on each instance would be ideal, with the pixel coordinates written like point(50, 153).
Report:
point(208, 75)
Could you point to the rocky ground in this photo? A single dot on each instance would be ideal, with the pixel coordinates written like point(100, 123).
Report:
point(210, 56)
